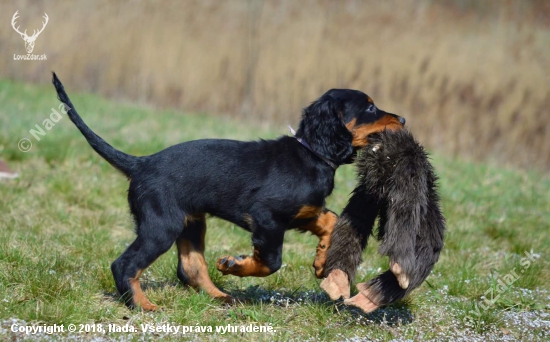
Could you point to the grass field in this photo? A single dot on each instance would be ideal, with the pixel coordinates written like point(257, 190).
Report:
point(66, 219)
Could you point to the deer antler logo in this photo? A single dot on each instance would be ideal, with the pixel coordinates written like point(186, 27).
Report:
point(29, 41)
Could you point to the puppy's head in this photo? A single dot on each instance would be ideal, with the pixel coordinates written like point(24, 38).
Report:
point(362, 117)
point(338, 123)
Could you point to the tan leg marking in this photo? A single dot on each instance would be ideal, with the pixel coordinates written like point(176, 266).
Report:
point(138, 296)
point(195, 267)
point(322, 227)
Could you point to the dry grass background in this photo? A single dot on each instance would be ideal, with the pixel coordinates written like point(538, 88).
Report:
point(471, 77)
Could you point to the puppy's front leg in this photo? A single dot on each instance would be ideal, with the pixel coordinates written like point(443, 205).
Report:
point(267, 258)
point(322, 227)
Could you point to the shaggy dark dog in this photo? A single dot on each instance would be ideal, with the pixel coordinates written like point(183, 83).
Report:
point(265, 187)
point(396, 182)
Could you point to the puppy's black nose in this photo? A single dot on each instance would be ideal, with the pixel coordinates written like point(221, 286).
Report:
point(402, 120)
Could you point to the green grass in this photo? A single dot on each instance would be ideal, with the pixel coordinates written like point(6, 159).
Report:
point(66, 219)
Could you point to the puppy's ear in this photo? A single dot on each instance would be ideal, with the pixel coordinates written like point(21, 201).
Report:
point(324, 130)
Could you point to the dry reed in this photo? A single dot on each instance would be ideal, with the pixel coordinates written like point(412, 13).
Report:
point(471, 77)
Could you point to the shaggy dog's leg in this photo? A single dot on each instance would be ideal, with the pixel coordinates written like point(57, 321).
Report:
point(348, 240)
point(385, 288)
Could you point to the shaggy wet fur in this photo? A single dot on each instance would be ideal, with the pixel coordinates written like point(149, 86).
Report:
point(396, 182)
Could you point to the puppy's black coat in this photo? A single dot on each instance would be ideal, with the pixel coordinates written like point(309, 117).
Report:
point(398, 183)
point(265, 187)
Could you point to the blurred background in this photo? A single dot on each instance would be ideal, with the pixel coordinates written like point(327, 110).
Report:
point(472, 78)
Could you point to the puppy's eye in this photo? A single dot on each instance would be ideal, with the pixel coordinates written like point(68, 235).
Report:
point(370, 108)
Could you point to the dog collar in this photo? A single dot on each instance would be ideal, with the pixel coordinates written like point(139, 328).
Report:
point(306, 145)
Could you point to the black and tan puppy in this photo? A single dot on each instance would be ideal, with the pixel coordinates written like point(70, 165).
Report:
point(398, 184)
point(265, 187)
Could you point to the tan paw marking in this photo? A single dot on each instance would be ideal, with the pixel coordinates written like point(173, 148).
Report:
point(336, 285)
point(243, 266)
point(402, 278)
point(361, 300)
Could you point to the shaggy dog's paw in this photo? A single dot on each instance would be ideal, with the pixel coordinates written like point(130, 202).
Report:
point(362, 302)
point(362, 299)
point(402, 278)
point(336, 285)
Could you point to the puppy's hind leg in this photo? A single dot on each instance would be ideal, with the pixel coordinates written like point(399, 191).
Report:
point(192, 268)
point(153, 240)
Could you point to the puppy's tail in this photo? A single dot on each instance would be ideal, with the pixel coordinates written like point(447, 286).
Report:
point(125, 163)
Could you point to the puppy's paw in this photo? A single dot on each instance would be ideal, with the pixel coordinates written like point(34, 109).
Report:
point(229, 264)
point(144, 305)
point(243, 266)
